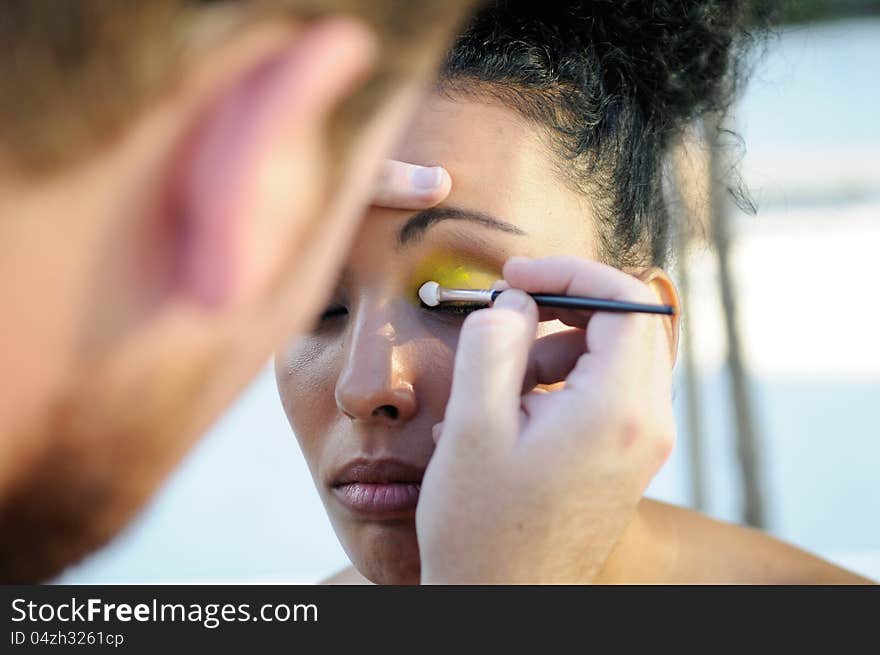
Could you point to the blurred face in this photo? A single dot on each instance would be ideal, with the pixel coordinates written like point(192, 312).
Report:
point(148, 284)
point(364, 388)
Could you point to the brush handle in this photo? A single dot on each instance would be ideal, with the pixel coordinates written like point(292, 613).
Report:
point(595, 304)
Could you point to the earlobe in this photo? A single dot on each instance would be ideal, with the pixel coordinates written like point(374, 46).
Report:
point(664, 288)
point(250, 175)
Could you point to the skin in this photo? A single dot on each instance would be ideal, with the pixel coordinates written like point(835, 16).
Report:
point(440, 373)
point(151, 280)
point(333, 379)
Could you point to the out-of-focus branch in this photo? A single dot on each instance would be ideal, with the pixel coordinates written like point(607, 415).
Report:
point(689, 182)
point(719, 230)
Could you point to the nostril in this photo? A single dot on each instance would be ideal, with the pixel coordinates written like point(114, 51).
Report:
point(389, 411)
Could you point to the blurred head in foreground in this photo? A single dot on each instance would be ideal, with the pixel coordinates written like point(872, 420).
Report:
point(555, 121)
point(178, 183)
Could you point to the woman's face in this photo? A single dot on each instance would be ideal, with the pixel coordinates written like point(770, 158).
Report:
point(363, 390)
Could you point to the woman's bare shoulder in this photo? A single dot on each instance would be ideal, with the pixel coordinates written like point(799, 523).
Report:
point(347, 575)
point(697, 549)
point(667, 544)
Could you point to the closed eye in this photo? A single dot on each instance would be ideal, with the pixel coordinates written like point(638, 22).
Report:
point(334, 311)
point(454, 309)
point(447, 310)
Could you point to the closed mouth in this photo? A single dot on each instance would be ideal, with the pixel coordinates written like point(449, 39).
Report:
point(379, 488)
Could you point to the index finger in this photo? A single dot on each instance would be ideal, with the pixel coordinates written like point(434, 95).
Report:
point(582, 277)
point(574, 276)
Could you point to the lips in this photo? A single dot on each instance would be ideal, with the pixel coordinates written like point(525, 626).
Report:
point(379, 488)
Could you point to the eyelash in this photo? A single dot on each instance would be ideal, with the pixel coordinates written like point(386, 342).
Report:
point(333, 312)
point(452, 310)
point(457, 309)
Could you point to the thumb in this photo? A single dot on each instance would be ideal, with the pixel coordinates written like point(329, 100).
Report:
point(493, 351)
point(406, 186)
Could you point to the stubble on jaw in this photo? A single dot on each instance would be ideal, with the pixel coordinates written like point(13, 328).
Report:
point(98, 464)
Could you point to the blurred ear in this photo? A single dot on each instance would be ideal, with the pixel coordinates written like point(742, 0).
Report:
point(252, 173)
point(663, 287)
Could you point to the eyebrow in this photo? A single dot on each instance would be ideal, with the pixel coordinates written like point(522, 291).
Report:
point(415, 228)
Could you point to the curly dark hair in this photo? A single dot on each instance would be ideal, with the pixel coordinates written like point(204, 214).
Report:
point(616, 82)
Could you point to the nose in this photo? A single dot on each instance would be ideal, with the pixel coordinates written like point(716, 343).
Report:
point(374, 385)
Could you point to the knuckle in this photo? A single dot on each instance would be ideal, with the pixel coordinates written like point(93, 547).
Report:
point(631, 430)
point(636, 429)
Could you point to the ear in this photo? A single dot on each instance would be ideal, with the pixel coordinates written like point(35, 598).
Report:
point(252, 172)
point(663, 287)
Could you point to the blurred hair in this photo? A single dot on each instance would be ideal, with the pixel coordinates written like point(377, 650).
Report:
point(616, 83)
point(75, 73)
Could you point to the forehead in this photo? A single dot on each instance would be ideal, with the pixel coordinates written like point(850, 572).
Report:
point(500, 164)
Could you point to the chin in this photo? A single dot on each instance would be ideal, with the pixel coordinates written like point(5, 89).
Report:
point(90, 478)
point(56, 516)
point(386, 553)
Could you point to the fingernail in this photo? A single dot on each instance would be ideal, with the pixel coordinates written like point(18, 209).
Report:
point(513, 299)
point(500, 285)
point(519, 260)
point(425, 178)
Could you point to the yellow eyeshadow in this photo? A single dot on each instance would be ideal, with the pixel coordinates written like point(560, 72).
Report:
point(453, 272)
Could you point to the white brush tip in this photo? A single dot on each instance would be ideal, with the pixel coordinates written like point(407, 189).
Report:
point(429, 293)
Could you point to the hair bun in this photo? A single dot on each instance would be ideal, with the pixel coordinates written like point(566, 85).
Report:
point(615, 81)
point(676, 58)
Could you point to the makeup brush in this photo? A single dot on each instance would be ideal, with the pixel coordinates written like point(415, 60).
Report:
point(432, 294)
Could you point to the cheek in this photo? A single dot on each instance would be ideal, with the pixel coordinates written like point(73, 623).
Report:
point(432, 362)
point(306, 375)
